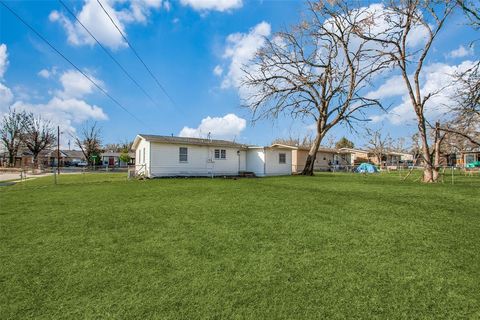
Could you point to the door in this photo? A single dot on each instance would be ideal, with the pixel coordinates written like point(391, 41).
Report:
point(111, 161)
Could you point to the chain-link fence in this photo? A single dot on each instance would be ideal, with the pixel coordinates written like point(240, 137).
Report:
point(74, 175)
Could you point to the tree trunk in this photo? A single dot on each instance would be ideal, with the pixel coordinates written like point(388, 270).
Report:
point(312, 154)
point(428, 169)
point(11, 159)
point(436, 166)
point(35, 160)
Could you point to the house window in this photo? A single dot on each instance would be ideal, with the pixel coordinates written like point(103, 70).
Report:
point(282, 158)
point(469, 158)
point(220, 154)
point(183, 154)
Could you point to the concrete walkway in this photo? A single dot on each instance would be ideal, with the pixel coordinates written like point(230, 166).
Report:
point(4, 176)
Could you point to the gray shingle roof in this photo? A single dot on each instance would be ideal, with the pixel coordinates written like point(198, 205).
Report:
point(192, 141)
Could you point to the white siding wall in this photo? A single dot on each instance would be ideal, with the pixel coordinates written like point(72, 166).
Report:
point(243, 160)
point(142, 163)
point(255, 161)
point(201, 161)
point(274, 167)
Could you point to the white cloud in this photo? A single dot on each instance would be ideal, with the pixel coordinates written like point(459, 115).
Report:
point(437, 78)
point(167, 5)
point(65, 108)
point(379, 21)
point(64, 112)
point(218, 70)
point(75, 85)
point(461, 52)
point(226, 127)
point(393, 87)
point(93, 17)
point(6, 97)
point(240, 50)
point(44, 73)
point(3, 59)
point(217, 5)
point(241, 47)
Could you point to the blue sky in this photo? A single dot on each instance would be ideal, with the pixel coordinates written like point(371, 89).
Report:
point(191, 46)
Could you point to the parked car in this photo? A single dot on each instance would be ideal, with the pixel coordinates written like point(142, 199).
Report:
point(82, 164)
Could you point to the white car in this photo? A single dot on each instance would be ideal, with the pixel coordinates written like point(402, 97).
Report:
point(82, 164)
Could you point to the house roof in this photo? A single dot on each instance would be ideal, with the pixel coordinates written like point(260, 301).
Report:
point(320, 149)
point(394, 153)
point(282, 146)
point(73, 153)
point(349, 150)
point(188, 141)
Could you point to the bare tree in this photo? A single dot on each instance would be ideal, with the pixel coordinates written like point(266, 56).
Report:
point(12, 127)
point(377, 143)
point(330, 142)
point(89, 142)
point(472, 11)
point(306, 141)
point(315, 70)
point(401, 20)
point(38, 135)
point(124, 146)
point(465, 122)
point(399, 145)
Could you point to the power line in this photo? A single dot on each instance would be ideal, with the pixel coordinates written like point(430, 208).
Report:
point(137, 55)
point(69, 61)
point(110, 55)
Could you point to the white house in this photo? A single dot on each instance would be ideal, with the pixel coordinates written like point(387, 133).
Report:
point(163, 156)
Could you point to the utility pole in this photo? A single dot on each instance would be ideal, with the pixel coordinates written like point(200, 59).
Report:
point(58, 149)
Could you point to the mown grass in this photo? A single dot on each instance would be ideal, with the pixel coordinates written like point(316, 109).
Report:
point(329, 246)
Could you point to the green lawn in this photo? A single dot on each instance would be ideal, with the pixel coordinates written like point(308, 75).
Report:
point(329, 246)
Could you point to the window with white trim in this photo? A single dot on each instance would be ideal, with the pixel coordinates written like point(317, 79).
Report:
point(282, 158)
point(220, 154)
point(183, 154)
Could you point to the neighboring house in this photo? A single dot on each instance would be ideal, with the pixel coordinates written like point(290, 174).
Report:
point(352, 156)
point(46, 158)
point(466, 157)
point(112, 159)
point(4, 159)
point(398, 158)
point(330, 159)
point(69, 157)
point(391, 158)
point(160, 156)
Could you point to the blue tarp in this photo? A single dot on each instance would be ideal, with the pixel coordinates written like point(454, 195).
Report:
point(366, 168)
